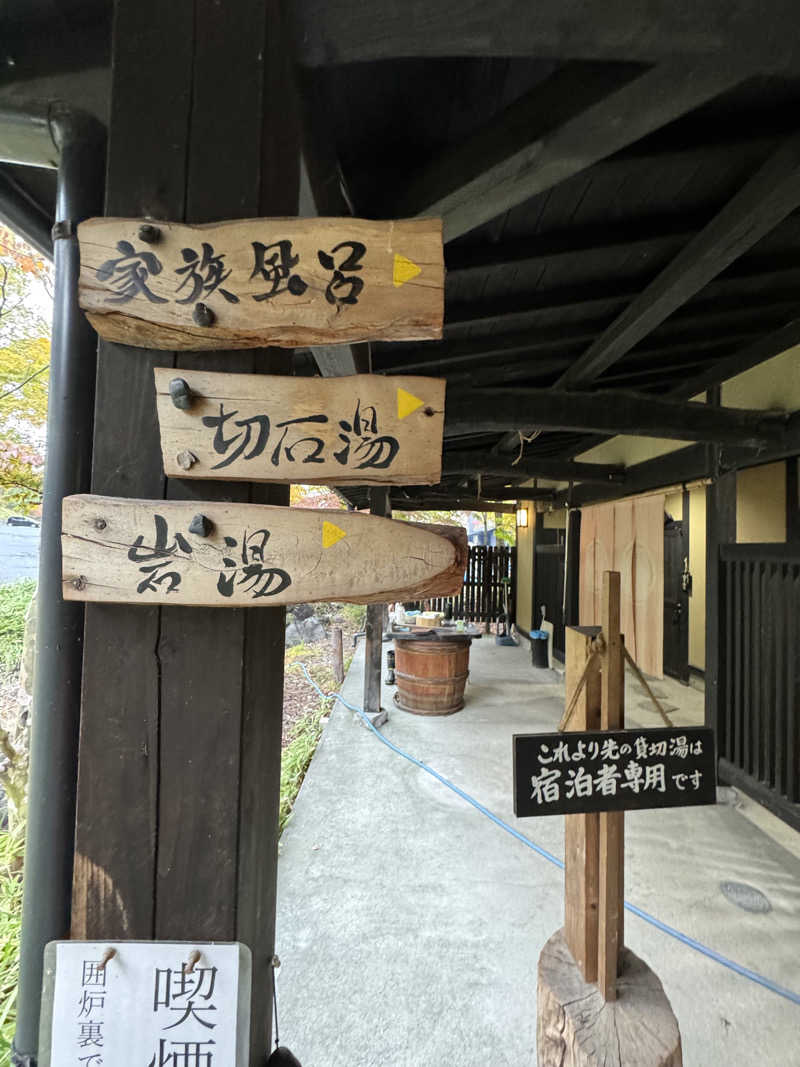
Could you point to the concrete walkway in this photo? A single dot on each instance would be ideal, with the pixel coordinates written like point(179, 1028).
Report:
point(409, 925)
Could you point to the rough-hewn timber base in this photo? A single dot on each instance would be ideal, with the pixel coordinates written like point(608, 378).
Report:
point(576, 1028)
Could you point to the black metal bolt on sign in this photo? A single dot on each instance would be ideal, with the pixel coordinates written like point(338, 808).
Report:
point(151, 235)
point(203, 315)
point(617, 770)
point(201, 525)
point(180, 393)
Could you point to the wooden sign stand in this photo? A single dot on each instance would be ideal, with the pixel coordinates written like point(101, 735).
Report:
point(598, 1003)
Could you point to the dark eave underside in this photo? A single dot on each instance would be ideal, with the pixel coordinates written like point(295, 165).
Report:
point(620, 194)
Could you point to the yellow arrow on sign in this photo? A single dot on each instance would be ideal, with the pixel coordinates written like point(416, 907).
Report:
point(331, 533)
point(407, 403)
point(404, 270)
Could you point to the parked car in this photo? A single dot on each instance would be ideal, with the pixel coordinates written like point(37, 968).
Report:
point(20, 520)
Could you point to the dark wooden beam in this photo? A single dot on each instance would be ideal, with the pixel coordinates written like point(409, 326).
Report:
point(530, 467)
point(684, 465)
point(499, 410)
point(767, 198)
point(465, 502)
point(337, 31)
point(323, 192)
point(581, 114)
point(725, 302)
point(647, 236)
point(749, 356)
point(453, 353)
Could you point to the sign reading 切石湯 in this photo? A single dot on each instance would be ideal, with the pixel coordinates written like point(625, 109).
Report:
point(260, 428)
point(140, 1003)
point(239, 555)
point(244, 284)
point(614, 770)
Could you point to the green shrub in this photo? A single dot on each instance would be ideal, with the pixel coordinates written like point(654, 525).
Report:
point(355, 614)
point(14, 600)
point(11, 852)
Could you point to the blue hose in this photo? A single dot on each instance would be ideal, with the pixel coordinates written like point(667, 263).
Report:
point(665, 928)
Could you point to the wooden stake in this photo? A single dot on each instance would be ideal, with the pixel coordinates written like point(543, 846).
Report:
point(612, 823)
point(338, 655)
point(378, 505)
point(582, 832)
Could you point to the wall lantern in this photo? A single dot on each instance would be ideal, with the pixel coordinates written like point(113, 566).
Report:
point(522, 517)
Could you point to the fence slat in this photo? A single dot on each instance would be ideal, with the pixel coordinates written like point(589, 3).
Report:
point(760, 624)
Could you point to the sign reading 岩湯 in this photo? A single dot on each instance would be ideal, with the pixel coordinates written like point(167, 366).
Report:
point(251, 427)
point(140, 1003)
point(615, 770)
point(244, 284)
point(235, 555)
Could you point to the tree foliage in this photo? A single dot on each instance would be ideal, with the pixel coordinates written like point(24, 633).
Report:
point(315, 496)
point(25, 294)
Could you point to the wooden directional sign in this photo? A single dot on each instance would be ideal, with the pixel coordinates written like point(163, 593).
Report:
point(252, 427)
point(286, 282)
point(613, 770)
point(234, 555)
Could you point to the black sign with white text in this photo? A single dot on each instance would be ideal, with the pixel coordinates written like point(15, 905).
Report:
point(613, 770)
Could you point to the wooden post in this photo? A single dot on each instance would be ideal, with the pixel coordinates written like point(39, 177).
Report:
point(720, 530)
point(178, 789)
point(582, 832)
point(378, 505)
point(612, 823)
point(580, 1023)
point(338, 655)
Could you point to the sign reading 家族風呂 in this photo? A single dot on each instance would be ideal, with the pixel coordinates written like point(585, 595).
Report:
point(252, 427)
point(241, 555)
point(145, 1004)
point(255, 282)
point(613, 770)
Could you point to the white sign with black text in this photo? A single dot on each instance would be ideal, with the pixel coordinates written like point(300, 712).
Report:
point(145, 1004)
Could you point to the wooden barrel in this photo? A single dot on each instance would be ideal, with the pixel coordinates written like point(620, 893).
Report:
point(431, 674)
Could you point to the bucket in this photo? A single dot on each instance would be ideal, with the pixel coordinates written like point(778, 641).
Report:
point(431, 675)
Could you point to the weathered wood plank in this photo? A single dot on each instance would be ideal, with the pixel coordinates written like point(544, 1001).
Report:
point(360, 429)
point(202, 696)
point(610, 933)
point(582, 832)
point(117, 805)
point(146, 552)
point(244, 284)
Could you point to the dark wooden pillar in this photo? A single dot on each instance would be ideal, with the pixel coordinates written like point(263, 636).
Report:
point(572, 578)
point(179, 777)
point(378, 505)
point(720, 530)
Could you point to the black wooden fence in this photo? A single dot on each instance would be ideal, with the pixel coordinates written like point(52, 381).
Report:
point(482, 595)
point(758, 732)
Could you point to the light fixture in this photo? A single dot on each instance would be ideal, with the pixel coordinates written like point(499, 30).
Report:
point(522, 516)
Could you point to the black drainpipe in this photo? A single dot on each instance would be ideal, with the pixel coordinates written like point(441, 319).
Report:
point(79, 141)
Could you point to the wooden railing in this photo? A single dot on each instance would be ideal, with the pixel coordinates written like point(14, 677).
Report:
point(481, 596)
point(758, 726)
